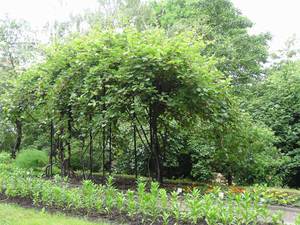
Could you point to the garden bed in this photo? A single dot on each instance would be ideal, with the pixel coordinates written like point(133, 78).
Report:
point(113, 217)
point(147, 204)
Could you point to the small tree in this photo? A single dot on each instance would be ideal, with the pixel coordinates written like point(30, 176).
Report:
point(147, 79)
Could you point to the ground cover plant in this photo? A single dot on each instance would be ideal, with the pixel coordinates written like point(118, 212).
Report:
point(281, 196)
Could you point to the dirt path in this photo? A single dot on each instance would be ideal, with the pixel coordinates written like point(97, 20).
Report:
point(289, 214)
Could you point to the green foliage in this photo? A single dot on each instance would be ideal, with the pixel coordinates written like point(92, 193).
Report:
point(225, 30)
point(102, 79)
point(276, 102)
point(31, 159)
point(297, 222)
point(240, 150)
point(155, 205)
point(279, 197)
point(168, 68)
point(5, 158)
point(17, 48)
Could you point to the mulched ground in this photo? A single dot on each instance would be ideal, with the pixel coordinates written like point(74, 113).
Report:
point(125, 183)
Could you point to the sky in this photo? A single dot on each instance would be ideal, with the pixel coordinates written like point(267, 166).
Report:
point(279, 17)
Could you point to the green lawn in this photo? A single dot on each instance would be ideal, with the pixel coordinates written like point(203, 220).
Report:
point(15, 215)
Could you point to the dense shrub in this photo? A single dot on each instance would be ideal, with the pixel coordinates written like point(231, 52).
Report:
point(80, 161)
point(5, 157)
point(31, 158)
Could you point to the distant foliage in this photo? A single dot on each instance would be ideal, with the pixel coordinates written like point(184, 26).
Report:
point(224, 28)
point(31, 159)
point(276, 102)
point(242, 151)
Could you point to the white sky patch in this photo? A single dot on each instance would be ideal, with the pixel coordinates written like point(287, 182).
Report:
point(39, 12)
point(279, 17)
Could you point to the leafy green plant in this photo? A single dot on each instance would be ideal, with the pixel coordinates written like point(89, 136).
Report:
point(89, 194)
point(165, 218)
point(194, 205)
point(175, 206)
point(164, 199)
point(131, 203)
point(153, 200)
point(297, 222)
point(277, 218)
point(5, 158)
point(155, 205)
point(120, 202)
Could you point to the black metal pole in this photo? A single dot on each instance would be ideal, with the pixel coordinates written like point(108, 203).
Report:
point(51, 147)
point(110, 149)
point(135, 150)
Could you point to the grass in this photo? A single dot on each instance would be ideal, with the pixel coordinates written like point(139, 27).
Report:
point(15, 215)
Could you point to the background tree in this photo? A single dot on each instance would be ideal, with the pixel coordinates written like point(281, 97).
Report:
point(17, 47)
point(241, 150)
point(226, 31)
point(276, 102)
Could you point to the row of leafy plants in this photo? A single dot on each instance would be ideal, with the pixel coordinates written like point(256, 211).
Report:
point(37, 160)
point(155, 206)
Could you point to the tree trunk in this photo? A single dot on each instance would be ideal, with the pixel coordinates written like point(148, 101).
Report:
point(18, 138)
point(229, 179)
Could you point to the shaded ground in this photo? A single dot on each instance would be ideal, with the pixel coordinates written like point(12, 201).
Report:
point(125, 182)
